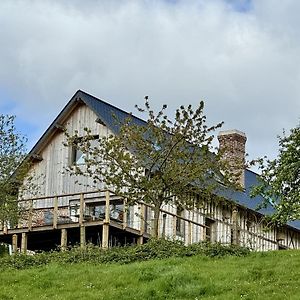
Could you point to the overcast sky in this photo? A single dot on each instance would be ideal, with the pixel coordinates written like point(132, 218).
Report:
point(241, 57)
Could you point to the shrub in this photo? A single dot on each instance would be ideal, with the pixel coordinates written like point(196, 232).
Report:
point(3, 250)
point(153, 249)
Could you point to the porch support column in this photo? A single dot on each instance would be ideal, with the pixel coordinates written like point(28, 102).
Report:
point(14, 243)
point(24, 243)
point(105, 229)
point(82, 236)
point(64, 239)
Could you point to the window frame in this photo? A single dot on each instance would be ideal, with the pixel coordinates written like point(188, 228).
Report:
point(74, 150)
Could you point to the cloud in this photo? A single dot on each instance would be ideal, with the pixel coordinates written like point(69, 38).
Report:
point(241, 57)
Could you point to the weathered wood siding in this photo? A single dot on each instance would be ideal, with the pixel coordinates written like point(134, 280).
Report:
point(50, 174)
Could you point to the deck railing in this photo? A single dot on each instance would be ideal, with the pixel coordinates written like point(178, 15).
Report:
point(98, 207)
point(106, 209)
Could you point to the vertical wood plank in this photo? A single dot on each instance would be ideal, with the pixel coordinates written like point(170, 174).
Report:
point(82, 237)
point(105, 229)
point(105, 236)
point(64, 239)
point(24, 243)
point(164, 225)
point(107, 207)
point(235, 226)
point(190, 233)
point(204, 233)
point(81, 209)
point(140, 239)
point(55, 212)
point(174, 226)
point(30, 214)
point(14, 243)
point(125, 213)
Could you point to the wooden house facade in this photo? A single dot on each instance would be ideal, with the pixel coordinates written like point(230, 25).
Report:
point(65, 210)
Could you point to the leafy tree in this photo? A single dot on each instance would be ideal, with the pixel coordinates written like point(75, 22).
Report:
point(12, 153)
point(166, 160)
point(280, 179)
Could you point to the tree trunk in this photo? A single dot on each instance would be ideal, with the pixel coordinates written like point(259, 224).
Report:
point(156, 221)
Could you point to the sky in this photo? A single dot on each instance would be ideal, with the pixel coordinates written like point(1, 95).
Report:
point(240, 56)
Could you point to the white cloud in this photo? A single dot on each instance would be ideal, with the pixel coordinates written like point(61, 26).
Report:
point(244, 64)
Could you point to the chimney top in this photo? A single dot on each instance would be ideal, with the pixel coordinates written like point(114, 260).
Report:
point(232, 132)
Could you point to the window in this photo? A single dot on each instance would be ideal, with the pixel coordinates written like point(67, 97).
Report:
point(78, 157)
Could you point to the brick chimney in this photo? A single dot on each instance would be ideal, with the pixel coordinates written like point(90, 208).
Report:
point(232, 144)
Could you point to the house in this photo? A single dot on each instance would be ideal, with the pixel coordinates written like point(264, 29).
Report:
point(59, 211)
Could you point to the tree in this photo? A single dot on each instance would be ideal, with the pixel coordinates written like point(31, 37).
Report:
point(12, 153)
point(280, 179)
point(163, 161)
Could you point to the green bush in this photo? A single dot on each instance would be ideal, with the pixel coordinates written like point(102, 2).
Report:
point(3, 250)
point(153, 249)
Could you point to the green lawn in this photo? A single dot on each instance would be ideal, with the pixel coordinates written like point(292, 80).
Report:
point(273, 275)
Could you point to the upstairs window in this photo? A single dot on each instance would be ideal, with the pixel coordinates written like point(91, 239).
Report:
point(78, 157)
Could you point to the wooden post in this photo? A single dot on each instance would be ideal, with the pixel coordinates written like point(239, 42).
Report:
point(30, 214)
point(81, 219)
point(5, 227)
point(190, 233)
point(140, 240)
point(174, 226)
point(164, 226)
point(55, 212)
point(107, 207)
point(125, 213)
point(235, 231)
point(105, 230)
point(24, 243)
point(14, 243)
point(81, 209)
point(105, 235)
point(64, 239)
point(82, 236)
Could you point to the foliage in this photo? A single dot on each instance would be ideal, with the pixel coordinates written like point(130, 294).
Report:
point(259, 276)
point(280, 179)
point(159, 162)
point(12, 153)
point(154, 249)
point(3, 250)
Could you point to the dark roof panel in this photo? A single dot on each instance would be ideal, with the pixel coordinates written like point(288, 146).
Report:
point(110, 115)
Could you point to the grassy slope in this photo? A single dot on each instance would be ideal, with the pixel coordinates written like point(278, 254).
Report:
point(273, 275)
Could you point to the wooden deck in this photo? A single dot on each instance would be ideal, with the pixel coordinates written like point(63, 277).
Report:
point(98, 217)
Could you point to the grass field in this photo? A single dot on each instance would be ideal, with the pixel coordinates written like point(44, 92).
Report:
point(273, 275)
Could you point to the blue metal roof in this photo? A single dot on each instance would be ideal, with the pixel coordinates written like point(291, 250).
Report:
point(110, 115)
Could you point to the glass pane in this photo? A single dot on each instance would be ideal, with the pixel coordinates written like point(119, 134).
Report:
point(79, 157)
